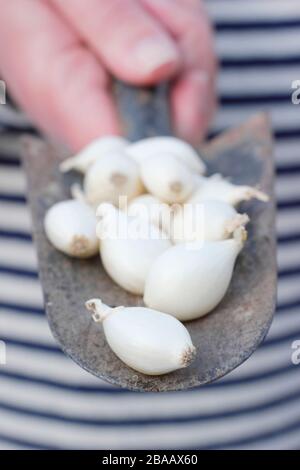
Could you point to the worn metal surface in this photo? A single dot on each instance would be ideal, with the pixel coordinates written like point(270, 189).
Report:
point(226, 337)
point(146, 112)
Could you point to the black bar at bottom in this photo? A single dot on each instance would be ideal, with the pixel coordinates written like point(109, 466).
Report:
point(135, 459)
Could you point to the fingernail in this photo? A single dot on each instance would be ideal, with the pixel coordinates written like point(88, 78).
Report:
point(153, 53)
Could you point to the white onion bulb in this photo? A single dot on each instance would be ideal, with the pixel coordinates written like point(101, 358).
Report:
point(71, 227)
point(89, 154)
point(110, 177)
point(189, 280)
point(129, 247)
point(206, 221)
point(220, 189)
point(150, 208)
point(148, 341)
point(158, 146)
point(167, 178)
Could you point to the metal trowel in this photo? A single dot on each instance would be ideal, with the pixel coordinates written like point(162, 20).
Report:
point(226, 337)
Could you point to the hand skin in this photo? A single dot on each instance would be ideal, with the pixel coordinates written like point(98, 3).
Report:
point(58, 56)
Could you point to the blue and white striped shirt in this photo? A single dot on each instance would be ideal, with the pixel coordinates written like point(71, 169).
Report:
point(47, 401)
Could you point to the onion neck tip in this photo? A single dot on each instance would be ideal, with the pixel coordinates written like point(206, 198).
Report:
point(99, 310)
point(67, 165)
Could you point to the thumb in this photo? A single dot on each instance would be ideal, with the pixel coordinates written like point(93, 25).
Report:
point(132, 44)
point(59, 83)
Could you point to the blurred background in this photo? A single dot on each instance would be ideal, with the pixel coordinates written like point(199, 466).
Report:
point(46, 401)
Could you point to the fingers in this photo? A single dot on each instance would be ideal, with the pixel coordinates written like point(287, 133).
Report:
point(56, 80)
point(191, 106)
point(193, 95)
point(130, 41)
point(191, 28)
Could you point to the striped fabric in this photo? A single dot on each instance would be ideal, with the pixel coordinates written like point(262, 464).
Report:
point(46, 401)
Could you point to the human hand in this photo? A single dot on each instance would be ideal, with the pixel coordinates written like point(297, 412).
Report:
point(58, 56)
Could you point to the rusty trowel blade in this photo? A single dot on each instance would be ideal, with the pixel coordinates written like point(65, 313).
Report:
point(226, 337)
